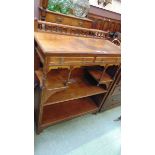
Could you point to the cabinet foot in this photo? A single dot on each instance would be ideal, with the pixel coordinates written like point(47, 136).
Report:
point(94, 113)
point(39, 130)
point(118, 119)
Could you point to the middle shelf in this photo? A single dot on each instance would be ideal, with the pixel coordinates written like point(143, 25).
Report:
point(79, 86)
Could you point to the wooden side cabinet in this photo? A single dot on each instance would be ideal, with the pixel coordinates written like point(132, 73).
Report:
point(75, 73)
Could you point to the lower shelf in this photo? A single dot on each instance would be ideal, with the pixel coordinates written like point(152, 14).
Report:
point(66, 110)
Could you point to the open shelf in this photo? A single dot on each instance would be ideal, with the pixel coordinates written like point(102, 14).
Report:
point(67, 110)
point(79, 87)
point(96, 74)
point(55, 78)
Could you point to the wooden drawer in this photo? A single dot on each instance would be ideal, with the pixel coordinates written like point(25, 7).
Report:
point(70, 60)
point(80, 23)
point(83, 60)
point(108, 60)
point(67, 20)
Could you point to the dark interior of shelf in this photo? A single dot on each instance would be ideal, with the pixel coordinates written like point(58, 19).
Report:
point(98, 99)
point(111, 70)
point(67, 110)
point(79, 87)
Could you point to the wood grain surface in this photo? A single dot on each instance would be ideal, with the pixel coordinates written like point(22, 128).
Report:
point(63, 44)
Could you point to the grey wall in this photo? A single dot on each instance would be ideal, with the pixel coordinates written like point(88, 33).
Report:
point(36, 5)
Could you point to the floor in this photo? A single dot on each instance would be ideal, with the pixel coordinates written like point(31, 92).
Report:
point(86, 135)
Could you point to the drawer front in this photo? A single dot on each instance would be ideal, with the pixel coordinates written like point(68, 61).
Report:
point(70, 60)
point(108, 60)
point(55, 18)
point(82, 61)
point(60, 19)
point(81, 23)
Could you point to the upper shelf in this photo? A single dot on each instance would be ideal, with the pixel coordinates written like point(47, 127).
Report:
point(78, 87)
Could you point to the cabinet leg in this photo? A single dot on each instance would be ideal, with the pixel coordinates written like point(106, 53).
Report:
point(94, 113)
point(39, 130)
point(118, 119)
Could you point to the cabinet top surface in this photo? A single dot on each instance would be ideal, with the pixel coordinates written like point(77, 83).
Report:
point(51, 43)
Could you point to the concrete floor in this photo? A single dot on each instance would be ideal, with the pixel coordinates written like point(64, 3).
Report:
point(86, 135)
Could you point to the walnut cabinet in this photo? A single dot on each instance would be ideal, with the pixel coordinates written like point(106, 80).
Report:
point(75, 72)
